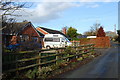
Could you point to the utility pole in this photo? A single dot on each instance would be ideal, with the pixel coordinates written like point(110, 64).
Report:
point(115, 28)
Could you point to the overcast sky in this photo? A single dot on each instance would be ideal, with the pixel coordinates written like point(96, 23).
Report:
point(80, 14)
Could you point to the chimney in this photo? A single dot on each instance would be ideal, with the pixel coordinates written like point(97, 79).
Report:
point(64, 30)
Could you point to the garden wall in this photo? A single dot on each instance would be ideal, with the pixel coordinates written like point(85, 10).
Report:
point(100, 42)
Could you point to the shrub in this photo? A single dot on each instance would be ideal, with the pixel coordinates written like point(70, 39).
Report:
point(80, 59)
point(32, 73)
point(69, 50)
point(55, 67)
point(44, 72)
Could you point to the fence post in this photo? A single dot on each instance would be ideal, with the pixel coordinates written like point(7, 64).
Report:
point(83, 47)
point(16, 64)
point(57, 52)
point(89, 53)
point(39, 61)
point(73, 43)
point(93, 48)
point(76, 49)
point(68, 59)
point(77, 43)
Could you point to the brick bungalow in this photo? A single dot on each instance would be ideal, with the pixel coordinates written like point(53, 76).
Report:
point(20, 33)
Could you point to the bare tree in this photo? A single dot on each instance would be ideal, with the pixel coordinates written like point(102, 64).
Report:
point(93, 30)
point(7, 10)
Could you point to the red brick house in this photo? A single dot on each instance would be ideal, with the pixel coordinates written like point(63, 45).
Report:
point(20, 33)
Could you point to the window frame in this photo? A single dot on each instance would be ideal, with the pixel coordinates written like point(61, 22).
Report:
point(52, 40)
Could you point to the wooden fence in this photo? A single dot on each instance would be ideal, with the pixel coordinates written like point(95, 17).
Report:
point(13, 62)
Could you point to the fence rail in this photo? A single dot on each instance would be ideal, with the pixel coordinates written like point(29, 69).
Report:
point(20, 61)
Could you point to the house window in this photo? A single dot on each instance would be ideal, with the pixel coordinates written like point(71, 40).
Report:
point(34, 39)
point(24, 38)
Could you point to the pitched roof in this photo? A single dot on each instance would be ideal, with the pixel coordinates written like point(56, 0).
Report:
point(42, 35)
point(14, 28)
point(50, 31)
point(42, 31)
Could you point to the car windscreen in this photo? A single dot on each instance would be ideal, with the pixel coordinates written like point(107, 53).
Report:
point(52, 40)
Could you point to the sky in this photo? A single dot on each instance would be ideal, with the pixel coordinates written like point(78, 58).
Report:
point(78, 14)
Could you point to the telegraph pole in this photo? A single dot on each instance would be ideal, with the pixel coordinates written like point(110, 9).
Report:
point(115, 28)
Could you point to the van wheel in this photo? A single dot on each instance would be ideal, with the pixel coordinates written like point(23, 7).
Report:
point(47, 47)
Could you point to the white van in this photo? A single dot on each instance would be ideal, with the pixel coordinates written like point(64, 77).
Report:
point(55, 41)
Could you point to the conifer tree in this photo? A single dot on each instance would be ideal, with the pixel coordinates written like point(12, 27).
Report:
point(101, 32)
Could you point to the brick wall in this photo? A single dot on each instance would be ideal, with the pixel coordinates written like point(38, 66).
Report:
point(30, 31)
point(100, 42)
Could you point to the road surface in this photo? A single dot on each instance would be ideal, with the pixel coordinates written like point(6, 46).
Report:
point(104, 66)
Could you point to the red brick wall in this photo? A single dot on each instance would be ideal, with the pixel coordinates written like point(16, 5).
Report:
point(30, 31)
point(100, 42)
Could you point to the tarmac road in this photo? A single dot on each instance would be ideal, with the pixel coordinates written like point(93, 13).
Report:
point(104, 66)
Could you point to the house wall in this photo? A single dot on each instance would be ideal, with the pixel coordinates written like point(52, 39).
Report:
point(30, 31)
